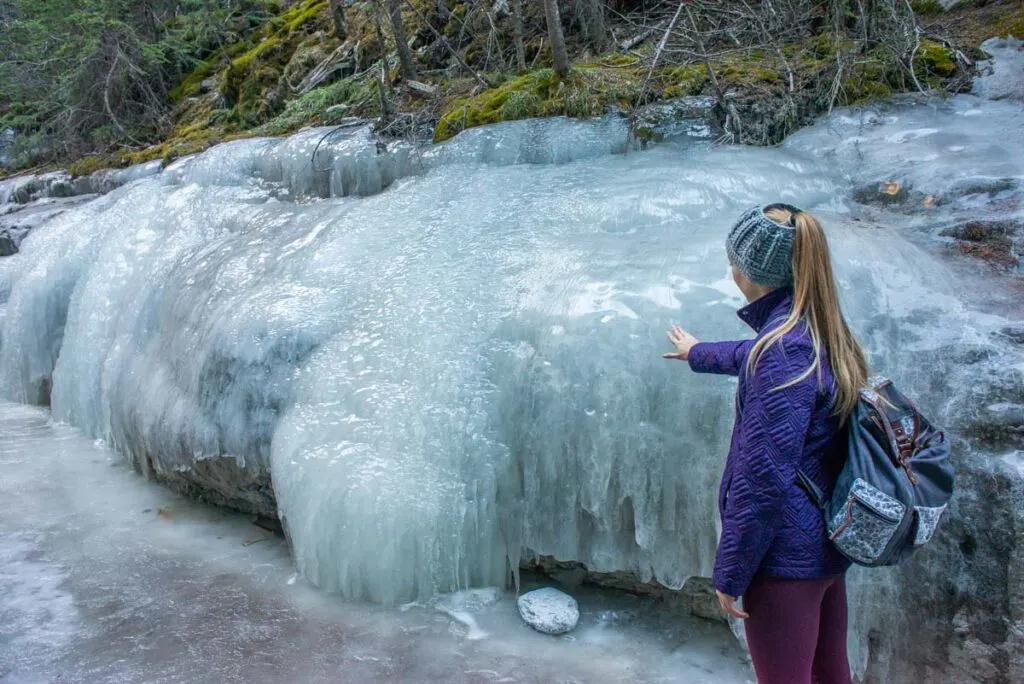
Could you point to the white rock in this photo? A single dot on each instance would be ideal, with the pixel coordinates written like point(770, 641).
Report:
point(549, 610)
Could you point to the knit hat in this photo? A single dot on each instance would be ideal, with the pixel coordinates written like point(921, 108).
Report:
point(761, 248)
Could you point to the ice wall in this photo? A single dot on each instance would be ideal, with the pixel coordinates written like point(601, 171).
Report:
point(443, 356)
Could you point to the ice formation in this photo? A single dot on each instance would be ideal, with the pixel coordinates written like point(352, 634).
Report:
point(446, 356)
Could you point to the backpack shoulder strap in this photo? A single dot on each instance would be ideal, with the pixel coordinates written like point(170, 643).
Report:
point(813, 491)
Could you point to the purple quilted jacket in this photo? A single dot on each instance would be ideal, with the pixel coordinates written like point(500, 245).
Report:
point(769, 524)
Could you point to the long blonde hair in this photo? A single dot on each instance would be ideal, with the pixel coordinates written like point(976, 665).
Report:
point(816, 302)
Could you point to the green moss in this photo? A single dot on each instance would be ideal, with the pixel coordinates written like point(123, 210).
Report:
point(617, 59)
point(322, 105)
point(586, 92)
point(520, 105)
point(88, 165)
point(456, 19)
point(935, 59)
point(872, 76)
point(749, 72)
point(252, 82)
point(300, 14)
point(927, 7)
point(1010, 24)
point(192, 83)
point(679, 81)
point(825, 46)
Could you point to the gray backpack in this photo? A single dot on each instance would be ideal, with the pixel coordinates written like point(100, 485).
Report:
point(896, 482)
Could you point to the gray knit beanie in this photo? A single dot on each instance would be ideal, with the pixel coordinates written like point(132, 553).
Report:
point(761, 248)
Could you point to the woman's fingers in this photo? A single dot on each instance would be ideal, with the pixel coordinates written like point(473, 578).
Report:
point(728, 604)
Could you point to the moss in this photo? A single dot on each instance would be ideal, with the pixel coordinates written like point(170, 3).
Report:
point(520, 105)
point(617, 59)
point(679, 81)
point(935, 59)
point(1010, 24)
point(872, 76)
point(241, 66)
point(88, 165)
point(307, 55)
point(586, 92)
point(826, 45)
point(749, 73)
point(927, 7)
point(300, 14)
point(192, 83)
point(456, 19)
point(252, 83)
point(322, 105)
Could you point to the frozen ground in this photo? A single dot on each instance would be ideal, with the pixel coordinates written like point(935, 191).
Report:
point(107, 578)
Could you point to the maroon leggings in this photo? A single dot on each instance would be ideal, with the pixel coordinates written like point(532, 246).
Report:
point(797, 630)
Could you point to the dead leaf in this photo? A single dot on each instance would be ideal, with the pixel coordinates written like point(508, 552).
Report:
point(929, 201)
point(163, 513)
point(891, 187)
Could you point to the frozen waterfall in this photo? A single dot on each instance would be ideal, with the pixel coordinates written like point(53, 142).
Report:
point(446, 357)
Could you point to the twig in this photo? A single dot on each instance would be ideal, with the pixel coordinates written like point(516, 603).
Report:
point(837, 83)
point(650, 71)
point(106, 99)
point(540, 49)
point(917, 45)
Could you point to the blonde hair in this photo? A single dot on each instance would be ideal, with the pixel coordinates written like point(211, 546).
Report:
point(816, 303)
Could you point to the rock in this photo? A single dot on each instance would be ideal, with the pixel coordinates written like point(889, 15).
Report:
point(549, 610)
point(23, 218)
point(1013, 333)
point(220, 481)
point(421, 88)
point(10, 239)
point(990, 240)
point(696, 596)
point(570, 578)
point(689, 116)
point(892, 193)
point(1002, 77)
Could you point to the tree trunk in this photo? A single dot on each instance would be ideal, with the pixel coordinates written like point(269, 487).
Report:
point(338, 15)
point(383, 86)
point(558, 54)
point(517, 34)
point(590, 15)
point(401, 42)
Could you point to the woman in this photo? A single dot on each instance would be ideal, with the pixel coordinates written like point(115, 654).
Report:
point(799, 379)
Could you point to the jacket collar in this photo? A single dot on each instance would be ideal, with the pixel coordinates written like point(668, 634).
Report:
point(776, 303)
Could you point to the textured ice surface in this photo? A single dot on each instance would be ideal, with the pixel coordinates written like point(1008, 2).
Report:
point(1000, 77)
point(105, 578)
point(468, 363)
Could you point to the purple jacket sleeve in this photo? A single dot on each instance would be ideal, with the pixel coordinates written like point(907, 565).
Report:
point(773, 427)
point(723, 358)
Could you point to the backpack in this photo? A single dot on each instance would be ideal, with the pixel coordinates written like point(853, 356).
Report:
point(896, 482)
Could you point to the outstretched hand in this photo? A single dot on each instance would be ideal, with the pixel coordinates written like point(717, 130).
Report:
point(682, 341)
point(728, 604)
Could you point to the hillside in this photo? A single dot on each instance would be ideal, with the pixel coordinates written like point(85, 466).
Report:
point(131, 82)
